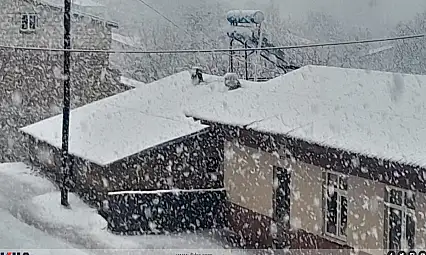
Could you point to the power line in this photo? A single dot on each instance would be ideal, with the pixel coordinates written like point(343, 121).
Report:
point(177, 26)
point(162, 15)
point(169, 20)
point(184, 30)
point(186, 51)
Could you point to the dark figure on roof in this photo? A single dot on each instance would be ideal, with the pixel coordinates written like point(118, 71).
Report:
point(196, 76)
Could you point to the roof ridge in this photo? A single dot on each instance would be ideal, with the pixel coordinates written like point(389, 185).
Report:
point(109, 22)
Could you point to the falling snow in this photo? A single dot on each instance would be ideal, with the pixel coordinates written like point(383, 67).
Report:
point(287, 147)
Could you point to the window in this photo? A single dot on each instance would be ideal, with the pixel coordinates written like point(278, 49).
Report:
point(335, 205)
point(282, 196)
point(400, 222)
point(29, 22)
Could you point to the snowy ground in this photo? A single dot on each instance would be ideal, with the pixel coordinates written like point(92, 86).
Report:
point(16, 235)
point(35, 201)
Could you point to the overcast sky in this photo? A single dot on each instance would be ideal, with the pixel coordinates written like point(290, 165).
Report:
point(377, 15)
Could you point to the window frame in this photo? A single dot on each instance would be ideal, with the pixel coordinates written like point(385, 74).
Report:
point(286, 207)
point(405, 211)
point(340, 193)
point(28, 16)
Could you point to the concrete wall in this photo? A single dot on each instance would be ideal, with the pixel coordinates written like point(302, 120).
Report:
point(248, 177)
point(170, 166)
point(248, 182)
point(366, 211)
point(306, 198)
point(421, 220)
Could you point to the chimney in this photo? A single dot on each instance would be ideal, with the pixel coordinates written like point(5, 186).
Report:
point(196, 75)
point(231, 81)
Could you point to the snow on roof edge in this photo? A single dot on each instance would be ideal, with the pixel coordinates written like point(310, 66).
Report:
point(109, 22)
point(317, 68)
point(32, 129)
point(309, 67)
point(131, 82)
point(196, 117)
point(106, 163)
point(97, 102)
point(126, 40)
point(112, 193)
point(325, 145)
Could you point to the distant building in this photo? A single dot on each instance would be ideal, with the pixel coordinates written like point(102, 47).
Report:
point(39, 23)
point(31, 81)
point(125, 62)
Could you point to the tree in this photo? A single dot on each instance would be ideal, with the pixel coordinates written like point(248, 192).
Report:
point(325, 27)
point(411, 53)
point(202, 27)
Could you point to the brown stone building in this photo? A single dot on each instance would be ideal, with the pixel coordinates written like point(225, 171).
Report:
point(324, 158)
point(31, 81)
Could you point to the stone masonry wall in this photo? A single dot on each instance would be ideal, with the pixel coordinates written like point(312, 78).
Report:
point(31, 89)
point(31, 85)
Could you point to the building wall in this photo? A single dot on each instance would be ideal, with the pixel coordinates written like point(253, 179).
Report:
point(191, 162)
point(248, 181)
point(366, 215)
point(250, 188)
point(248, 178)
point(86, 181)
point(421, 220)
point(306, 196)
point(31, 85)
point(366, 207)
point(156, 169)
point(86, 32)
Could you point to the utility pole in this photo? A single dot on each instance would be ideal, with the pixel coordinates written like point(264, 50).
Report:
point(259, 53)
point(246, 59)
point(66, 106)
point(231, 56)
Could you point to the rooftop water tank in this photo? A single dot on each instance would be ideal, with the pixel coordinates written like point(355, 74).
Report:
point(245, 17)
point(231, 81)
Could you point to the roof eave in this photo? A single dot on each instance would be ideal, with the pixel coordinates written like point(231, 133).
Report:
point(108, 23)
point(112, 24)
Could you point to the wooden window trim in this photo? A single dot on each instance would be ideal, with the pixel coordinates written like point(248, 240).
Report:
point(404, 209)
point(274, 197)
point(340, 193)
point(29, 29)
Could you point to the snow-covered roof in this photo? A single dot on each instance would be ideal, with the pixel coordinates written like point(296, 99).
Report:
point(130, 122)
point(375, 113)
point(380, 49)
point(81, 9)
point(83, 3)
point(377, 50)
point(131, 82)
point(88, 3)
point(126, 40)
